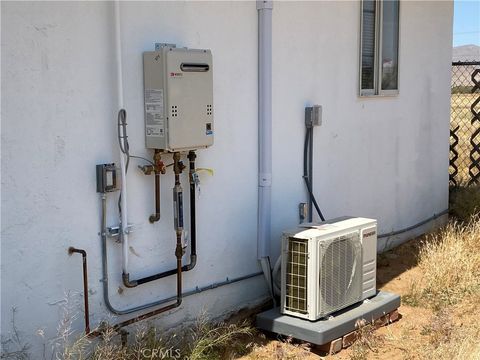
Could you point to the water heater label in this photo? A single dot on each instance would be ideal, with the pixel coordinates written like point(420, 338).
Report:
point(154, 106)
point(155, 130)
point(154, 96)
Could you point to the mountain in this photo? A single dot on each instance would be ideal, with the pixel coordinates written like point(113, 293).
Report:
point(466, 53)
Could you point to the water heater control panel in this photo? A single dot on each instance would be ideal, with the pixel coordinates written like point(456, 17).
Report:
point(178, 96)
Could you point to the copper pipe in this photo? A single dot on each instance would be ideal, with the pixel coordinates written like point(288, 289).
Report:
point(156, 217)
point(72, 250)
point(159, 168)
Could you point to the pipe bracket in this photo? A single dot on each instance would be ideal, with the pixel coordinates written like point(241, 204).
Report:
point(264, 4)
point(265, 179)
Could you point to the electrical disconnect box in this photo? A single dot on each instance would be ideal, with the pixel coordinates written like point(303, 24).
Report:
point(107, 178)
point(178, 85)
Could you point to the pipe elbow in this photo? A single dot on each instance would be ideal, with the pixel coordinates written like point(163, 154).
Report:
point(72, 250)
point(127, 282)
point(154, 218)
point(193, 262)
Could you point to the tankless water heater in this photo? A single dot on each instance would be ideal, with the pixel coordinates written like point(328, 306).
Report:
point(178, 95)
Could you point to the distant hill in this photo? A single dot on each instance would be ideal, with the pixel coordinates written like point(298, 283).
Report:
point(466, 53)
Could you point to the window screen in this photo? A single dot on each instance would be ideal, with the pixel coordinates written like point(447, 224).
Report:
point(368, 44)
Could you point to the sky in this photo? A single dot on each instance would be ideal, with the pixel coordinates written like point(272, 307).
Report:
point(466, 22)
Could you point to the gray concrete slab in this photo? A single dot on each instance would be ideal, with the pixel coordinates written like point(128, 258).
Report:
point(322, 331)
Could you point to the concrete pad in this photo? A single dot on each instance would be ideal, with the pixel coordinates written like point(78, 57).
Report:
point(339, 324)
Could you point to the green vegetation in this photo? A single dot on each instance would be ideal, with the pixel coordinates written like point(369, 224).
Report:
point(462, 89)
point(464, 202)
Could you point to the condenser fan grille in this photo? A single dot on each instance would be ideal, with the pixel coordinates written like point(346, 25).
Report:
point(296, 276)
point(340, 276)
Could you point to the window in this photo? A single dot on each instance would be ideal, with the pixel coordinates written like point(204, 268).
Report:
point(379, 47)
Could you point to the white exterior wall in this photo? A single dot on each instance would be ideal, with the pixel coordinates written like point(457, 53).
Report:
point(385, 158)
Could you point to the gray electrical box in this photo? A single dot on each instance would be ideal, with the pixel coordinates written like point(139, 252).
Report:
point(313, 116)
point(178, 95)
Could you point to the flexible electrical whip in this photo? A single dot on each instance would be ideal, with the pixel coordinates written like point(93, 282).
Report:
point(305, 174)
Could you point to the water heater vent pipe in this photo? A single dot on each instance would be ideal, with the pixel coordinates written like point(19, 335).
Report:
point(264, 9)
point(123, 170)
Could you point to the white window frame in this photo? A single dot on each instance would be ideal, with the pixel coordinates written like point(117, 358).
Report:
point(377, 80)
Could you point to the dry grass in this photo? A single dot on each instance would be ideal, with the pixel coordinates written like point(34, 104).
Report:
point(448, 339)
point(204, 340)
point(450, 264)
point(14, 347)
point(220, 341)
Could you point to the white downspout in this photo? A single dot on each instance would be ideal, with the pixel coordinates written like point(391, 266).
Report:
point(264, 9)
point(123, 220)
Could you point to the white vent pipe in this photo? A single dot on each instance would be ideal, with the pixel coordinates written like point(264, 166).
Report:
point(123, 170)
point(264, 9)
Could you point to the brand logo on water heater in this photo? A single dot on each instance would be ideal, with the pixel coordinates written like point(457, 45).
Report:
point(174, 74)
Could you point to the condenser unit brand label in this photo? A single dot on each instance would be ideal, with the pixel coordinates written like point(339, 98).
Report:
point(154, 109)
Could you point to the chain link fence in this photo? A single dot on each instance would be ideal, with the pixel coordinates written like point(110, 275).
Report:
point(465, 124)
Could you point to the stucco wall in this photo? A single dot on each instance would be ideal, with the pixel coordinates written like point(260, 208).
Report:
point(385, 158)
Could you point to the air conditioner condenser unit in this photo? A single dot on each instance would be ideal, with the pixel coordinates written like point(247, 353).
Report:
point(328, 266)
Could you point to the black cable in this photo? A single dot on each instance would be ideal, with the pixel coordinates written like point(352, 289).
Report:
point(305, 174)
point(310, 172)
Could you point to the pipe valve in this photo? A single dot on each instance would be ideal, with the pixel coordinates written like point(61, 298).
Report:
point(159, 165)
